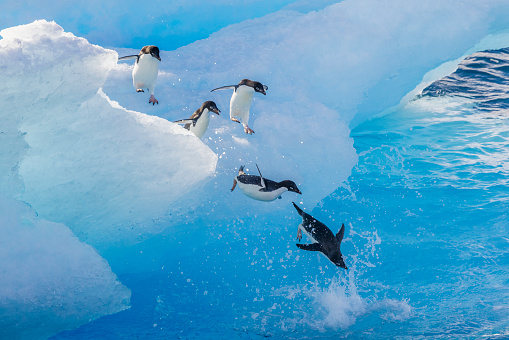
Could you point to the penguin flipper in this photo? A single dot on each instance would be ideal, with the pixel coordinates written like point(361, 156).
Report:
point(262, 181)
point(340, 234)
point(225, 87)
point(310, 247)
point(185, 121)
point(128, 57)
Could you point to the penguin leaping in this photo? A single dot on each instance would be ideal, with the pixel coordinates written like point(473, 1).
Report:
point(260, 188)
point(199, 120)
point(241, 100)
point(324, 239)
point(145, 70)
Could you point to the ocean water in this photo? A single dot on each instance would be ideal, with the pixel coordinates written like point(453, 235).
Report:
point(426, 242)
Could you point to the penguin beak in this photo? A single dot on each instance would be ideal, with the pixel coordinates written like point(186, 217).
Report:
point(156, 56)
point(298, 191)
point(216, 111)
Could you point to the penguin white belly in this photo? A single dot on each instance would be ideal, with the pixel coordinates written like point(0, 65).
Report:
point(145, 73)
point(253, 191)
point(241, 103)
point(201, 125)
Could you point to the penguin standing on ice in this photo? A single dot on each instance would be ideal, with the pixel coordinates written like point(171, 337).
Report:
point(241, 100)
point(260, 188)
point(324, 239)
point(199, 120)
point(145, 70)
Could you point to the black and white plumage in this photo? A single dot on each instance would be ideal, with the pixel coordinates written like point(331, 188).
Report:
point(323, 238)
point(199, 120)
point(260, 188)
point(241, 100)
point(145, 70)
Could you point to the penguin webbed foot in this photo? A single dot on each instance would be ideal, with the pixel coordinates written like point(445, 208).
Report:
point(299, 235)
point(139, 90)
point(248, 130)
point(153, 100)
point(235, 120)
point(234, 185)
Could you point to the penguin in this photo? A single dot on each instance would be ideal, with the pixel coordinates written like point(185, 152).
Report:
point(145, 70)
point(199, 120)
point(324, 239)
point(241, 100)
point(262, 189)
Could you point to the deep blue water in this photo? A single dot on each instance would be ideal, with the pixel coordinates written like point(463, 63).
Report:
point(427, 245)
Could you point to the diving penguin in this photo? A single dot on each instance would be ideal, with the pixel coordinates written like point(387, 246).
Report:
point(199, 120)
point(241, 100)
point(145, 70)
point(262, 189)
point(324, 239)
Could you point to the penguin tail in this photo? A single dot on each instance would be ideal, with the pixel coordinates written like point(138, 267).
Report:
point(299, 210)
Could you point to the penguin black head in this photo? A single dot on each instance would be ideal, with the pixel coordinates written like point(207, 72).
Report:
point(256, 85)
point(152, 50)
point(290, 185)
point(211, 106)
point(337, 259)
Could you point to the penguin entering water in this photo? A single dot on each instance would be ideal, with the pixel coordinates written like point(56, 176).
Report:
point(262, 189)
point(324, 239)
point(145, 70)
point(241, 100)
point(199, 120)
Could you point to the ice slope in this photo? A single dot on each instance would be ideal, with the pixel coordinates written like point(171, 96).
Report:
point(49, 280)
point(76, 157)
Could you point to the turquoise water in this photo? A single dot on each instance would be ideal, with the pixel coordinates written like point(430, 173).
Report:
point(426, 242)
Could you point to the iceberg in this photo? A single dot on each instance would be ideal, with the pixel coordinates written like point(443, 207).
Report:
point(78, 150)
point(49, 280)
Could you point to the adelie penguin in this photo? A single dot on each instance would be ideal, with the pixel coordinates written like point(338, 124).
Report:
point(241, 100)
point(199, 120)
point(262, 189)
point(324, 239)
point(145, 70)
